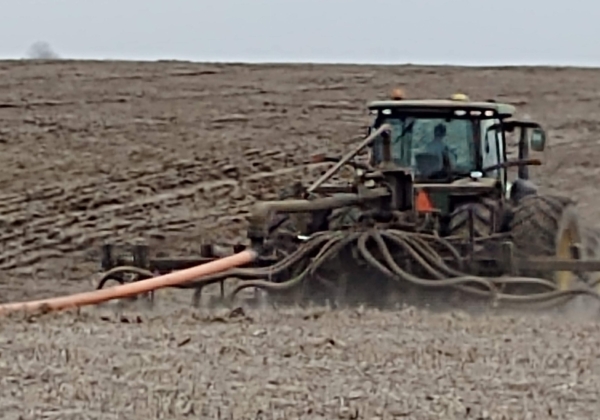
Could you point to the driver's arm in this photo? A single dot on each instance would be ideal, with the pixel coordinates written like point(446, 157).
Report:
point(451, 153)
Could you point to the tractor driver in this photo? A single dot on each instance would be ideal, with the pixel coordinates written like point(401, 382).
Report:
point(438, 147)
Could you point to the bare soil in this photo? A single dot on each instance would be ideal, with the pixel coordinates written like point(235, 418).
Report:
point(173, 154)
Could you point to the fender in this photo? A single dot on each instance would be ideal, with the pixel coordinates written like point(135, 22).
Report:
point(521, 188)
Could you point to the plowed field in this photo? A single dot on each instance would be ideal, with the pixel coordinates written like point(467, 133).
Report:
point(174, 154)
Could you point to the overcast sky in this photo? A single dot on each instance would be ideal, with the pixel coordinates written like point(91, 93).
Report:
point(377, 31)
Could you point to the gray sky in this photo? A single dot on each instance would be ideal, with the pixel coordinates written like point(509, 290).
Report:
point(377, 31)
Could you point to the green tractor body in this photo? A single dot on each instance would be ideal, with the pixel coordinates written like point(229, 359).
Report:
point(474, 163)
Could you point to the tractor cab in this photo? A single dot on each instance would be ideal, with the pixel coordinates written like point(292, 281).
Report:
point(444, 140)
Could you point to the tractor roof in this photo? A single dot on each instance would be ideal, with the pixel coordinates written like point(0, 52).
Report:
point(456, 103)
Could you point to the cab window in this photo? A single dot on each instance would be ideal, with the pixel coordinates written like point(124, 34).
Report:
point(413, 135)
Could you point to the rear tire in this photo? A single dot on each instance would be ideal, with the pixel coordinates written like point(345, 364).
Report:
point(486, 219)
point(547, 226)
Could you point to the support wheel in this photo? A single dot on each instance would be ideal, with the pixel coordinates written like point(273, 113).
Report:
point(548, 226)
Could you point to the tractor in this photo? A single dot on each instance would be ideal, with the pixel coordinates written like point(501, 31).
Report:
point(429, 214)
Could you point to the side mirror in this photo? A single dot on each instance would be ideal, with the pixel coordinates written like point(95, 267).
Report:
point(537, 140)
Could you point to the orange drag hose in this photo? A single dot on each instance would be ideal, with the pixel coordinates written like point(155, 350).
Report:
point(126, 290)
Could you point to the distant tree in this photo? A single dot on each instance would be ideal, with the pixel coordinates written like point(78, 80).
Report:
point(41, 51)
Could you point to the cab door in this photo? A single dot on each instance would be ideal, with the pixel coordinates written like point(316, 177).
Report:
point(492, 149)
